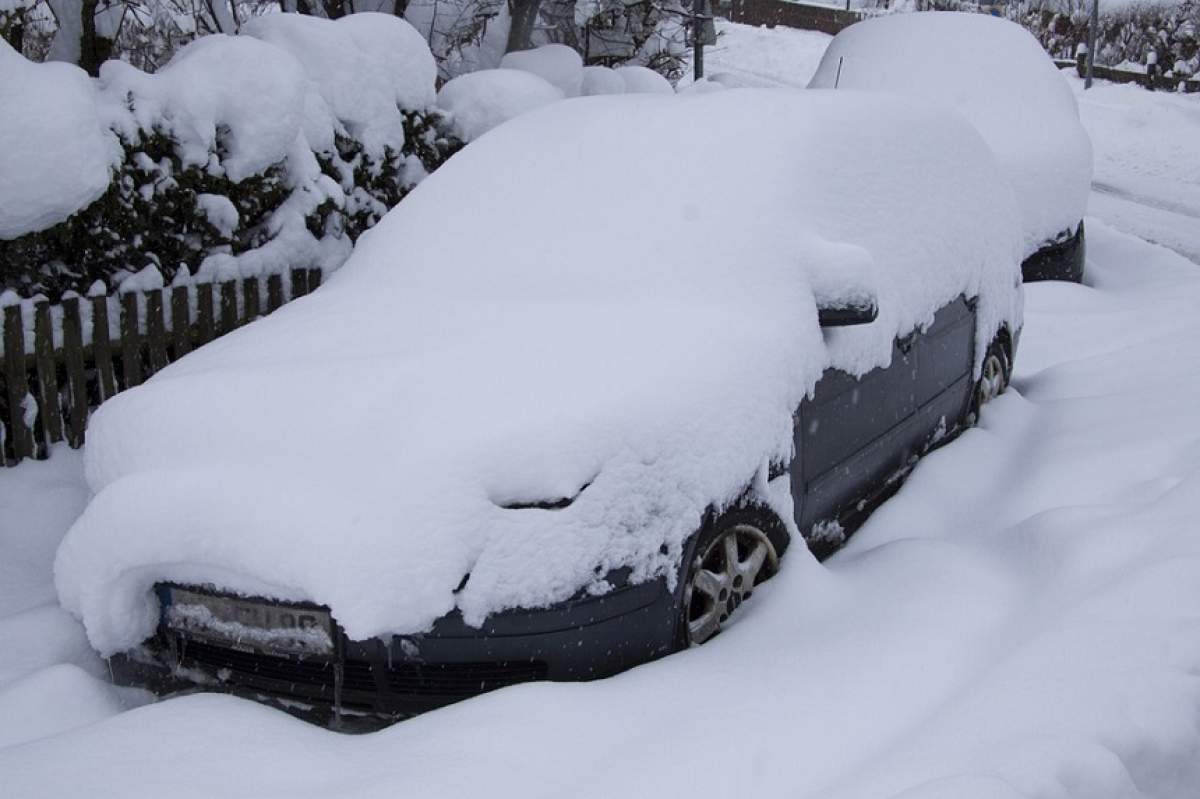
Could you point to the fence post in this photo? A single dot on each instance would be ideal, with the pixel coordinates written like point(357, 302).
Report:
point(156, 330)
point(204, 305)
point(299, 283)
point(181, 321)
point(250, 299)
point(131, 345)
point(18, 384)
point(49, 404)
point(76, 374)
point(102, 348)
point(229, 309)
point(274, 292)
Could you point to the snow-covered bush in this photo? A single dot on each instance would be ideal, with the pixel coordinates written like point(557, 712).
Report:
point(557, 64)
point(255, 153)
point(479, 101)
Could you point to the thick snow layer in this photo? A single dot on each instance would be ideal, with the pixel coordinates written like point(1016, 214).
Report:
point(995, 74)
point(643, 80)
point(570, 340)
point(556, 64)
point(243, 92)
point(78, 699)
point(479, 101)
point(601, 80)
point(27, 550)
point(55, 155)
point(364, 68)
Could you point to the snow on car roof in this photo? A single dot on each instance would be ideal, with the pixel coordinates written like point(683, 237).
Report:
point(610, 298)
point(994, 73)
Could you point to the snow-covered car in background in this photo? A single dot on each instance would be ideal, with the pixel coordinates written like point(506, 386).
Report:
point(994, 73)
point(562, 410)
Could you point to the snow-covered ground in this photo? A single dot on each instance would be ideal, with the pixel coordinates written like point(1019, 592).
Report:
point(1021, 620)
point(1147, 179)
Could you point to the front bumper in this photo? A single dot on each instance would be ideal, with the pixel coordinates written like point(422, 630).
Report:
point(366, 683)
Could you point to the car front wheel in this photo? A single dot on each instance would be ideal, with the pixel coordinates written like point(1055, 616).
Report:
point(993, 378)
point(733, 555)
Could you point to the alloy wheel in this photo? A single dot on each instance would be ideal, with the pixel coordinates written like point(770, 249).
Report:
point(723, 577)
point(991, 381)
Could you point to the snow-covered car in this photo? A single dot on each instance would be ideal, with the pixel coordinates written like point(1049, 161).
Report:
point(997, 75)
point(563, 409)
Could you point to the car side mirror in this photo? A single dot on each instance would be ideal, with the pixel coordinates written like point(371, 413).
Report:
point(847, 314)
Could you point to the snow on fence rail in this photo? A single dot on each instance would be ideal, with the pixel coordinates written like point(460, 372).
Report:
point(85, 350)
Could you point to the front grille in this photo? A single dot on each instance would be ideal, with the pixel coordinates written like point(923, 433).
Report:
point(314, 673)
point(462, 679)
point(313, 677)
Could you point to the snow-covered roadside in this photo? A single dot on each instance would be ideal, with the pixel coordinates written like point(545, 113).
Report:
point(752, 56)
point(1147, 150)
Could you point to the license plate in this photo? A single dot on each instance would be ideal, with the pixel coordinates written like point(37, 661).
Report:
point(247, 624)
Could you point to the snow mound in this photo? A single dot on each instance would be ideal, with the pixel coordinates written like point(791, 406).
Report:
point(565, 346)
point(995, 74)
point(73, 697)
point(479, 101)
point(643, 80)
point(557, 64)
point(364, 69)
point(55, 155)
point(233, 91)
point(601, 80)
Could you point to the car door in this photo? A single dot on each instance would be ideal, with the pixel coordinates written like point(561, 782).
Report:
point(946, 352)
point(855, 434)
point(846, 439)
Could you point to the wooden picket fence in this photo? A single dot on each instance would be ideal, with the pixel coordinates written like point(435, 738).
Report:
point(77, 361)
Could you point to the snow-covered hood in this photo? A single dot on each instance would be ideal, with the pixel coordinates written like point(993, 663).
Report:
point(612, 292)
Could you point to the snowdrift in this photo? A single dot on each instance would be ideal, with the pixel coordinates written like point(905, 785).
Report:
point(995, 74)
point(632, 330)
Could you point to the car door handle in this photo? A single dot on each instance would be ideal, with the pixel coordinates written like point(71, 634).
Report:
point(905, 343)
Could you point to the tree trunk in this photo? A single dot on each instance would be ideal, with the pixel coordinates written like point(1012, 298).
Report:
point(90, 56)
point(14, 34)
point(401, 8)
point(524, 15)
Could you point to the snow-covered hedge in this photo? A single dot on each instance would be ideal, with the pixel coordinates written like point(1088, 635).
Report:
point(479, 101)
point(1127, 33)
point(246, 154)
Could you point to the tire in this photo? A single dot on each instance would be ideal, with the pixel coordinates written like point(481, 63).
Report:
point(993, 377)
point(714, 585)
